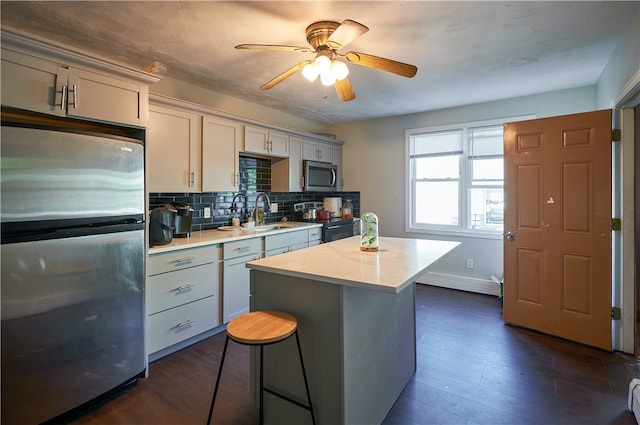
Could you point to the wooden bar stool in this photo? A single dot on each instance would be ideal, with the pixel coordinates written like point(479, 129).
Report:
point(260, 328)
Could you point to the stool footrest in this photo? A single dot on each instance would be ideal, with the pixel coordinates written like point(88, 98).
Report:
point(287, 398)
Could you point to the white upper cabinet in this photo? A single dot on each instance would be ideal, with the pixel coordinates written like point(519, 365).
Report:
point(100, 97)
point(286, 174)
point(314, 150)
point(191, 152)
point(52, 87)
point(220, 149)
point(30, 83)
point(265, 142)
point(173, 150)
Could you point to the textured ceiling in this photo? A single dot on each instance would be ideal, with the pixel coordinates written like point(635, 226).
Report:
point(466, 52)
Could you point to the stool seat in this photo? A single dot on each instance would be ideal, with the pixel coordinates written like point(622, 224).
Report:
point(262, 327)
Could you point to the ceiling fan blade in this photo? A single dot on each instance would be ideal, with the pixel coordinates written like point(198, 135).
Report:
point(344, 89)
point(348, 31)
point(288, 73)
point(388, 65)
point(298, 49)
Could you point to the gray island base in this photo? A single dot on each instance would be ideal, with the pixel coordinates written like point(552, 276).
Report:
point(356, 321)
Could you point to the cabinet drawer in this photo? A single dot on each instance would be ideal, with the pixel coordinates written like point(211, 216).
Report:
point(315, 234)
point(177, 324)
point(242, 247)
point(285, 239)
point(177, 260)
point(276, 251)
point(168, 290)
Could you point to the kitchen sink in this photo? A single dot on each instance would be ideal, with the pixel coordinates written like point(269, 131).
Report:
point(263, 228)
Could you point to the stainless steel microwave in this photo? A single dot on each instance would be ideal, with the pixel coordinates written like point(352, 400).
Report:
point(320, 176)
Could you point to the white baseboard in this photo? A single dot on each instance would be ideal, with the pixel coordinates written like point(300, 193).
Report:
point(463, 283)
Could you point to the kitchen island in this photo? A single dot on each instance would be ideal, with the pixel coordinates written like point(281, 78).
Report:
point(356, 320)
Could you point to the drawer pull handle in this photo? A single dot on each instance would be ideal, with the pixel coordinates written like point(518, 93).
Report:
point(180, 261)
point(183, 324)
point(242, 248)
point(63, 100)
point(75, 97)
point(183, 287)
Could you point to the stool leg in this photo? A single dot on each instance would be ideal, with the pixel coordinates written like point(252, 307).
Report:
point(306, 384)
point(215, 391)
point(261, 384)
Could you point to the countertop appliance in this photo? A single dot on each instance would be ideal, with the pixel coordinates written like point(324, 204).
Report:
point(333, 204)
point(73, 253)
point(332, 229)
point(320, 176)
point(184, 216)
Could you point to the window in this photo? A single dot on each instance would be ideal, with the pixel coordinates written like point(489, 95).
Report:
point(456, 178)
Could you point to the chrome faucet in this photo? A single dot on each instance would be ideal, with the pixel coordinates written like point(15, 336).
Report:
point(233, 202)
point(260, 221)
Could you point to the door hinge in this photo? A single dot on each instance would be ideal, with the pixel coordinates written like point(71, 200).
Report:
point(616, 314)
point(616, 224)
point(616, 135)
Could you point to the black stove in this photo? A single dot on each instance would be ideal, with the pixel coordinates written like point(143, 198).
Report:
point(332, 229)
point(334, 220)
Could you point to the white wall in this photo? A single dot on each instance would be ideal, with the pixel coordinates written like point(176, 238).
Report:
point(374, 164)
point(619, 86)
point(232, 105)
point(623, 68)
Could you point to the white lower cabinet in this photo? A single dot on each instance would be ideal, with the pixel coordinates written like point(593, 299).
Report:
point(235, 288)
point(315, 236)
point(180, 323)
point(182, 295)
point(191, 291)
point(285, 242)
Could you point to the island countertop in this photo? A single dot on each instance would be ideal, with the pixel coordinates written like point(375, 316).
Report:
point(394, 266)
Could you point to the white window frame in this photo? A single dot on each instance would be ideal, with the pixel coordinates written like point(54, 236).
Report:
point(463, 228)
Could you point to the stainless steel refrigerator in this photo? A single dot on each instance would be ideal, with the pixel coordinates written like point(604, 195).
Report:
point(72, 289)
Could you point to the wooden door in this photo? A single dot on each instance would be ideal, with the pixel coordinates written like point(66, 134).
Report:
point(557, 248)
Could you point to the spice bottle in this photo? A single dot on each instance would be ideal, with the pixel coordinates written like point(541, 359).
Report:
point(347, 209)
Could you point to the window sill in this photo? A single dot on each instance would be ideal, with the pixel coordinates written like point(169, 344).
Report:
point(464, 233)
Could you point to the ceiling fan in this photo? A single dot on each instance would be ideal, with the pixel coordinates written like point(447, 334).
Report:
point(326, 38)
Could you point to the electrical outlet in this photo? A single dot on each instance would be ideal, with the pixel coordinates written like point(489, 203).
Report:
point(207, 212)
point(469, 263)
point(273, 207)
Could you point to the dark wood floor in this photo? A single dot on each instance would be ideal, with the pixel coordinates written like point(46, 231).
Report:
point(472, 369)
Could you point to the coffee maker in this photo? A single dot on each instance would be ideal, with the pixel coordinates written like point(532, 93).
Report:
point(184, 217)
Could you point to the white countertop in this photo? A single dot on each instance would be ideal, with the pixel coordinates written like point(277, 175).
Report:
point(214, 236)
point(397, 263)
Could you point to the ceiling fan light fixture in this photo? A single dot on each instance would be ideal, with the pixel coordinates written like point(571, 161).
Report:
point(340, 70)
point(322, 64)
point(309, 72)
point(327, 79)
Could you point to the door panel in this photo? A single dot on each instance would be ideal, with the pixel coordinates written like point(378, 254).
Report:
point(557, 251)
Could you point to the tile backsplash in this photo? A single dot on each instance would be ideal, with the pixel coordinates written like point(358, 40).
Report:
point(255, 177)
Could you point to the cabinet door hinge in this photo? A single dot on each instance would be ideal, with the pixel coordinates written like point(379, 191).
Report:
point(616, 224)
point(616, 135)
point(616, 314)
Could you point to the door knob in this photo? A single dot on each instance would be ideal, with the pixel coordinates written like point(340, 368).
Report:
point(510, 236)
